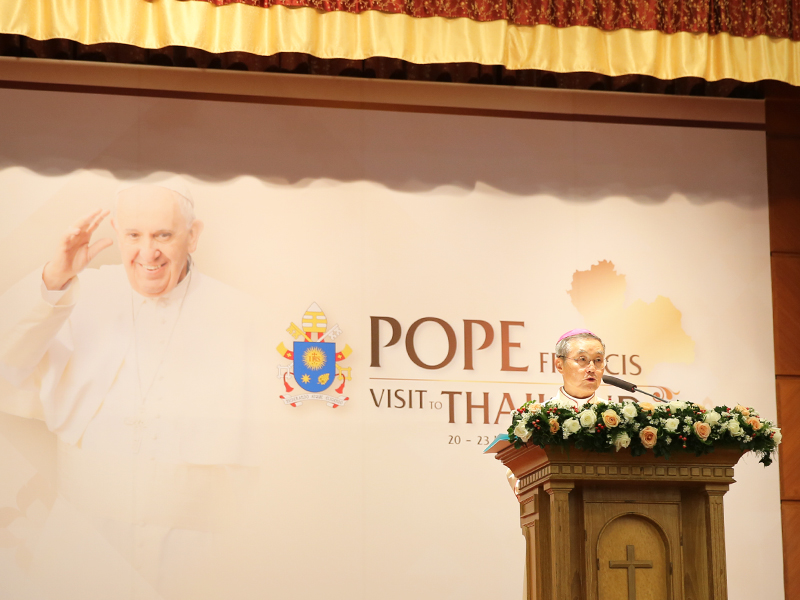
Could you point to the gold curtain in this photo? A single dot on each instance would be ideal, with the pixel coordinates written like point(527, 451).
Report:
point(265, 31)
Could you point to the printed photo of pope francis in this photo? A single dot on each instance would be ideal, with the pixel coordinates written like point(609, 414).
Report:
point(151, 376)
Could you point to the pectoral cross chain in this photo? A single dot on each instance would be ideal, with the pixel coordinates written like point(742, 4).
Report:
point(631, 564)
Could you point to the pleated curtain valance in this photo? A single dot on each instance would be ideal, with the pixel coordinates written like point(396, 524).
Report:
point(744, 18)
point(742, 40)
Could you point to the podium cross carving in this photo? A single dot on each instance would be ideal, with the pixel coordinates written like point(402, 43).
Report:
point(631, 564)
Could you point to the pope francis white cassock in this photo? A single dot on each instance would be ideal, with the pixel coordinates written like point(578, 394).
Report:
point(149, 374)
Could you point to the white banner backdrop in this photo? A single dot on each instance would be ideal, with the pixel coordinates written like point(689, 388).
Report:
point(441, 234)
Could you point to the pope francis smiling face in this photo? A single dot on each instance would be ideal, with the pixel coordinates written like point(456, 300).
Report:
point(157, 232)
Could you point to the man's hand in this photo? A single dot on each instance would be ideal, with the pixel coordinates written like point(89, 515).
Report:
point(74, 251)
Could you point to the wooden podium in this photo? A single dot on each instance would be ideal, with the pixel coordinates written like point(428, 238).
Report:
point(610, 526)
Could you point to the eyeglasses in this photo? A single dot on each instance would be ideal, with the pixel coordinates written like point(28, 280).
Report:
point(583, 362)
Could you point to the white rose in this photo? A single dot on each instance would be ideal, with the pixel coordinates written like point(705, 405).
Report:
point(671, 425)
point(712, 418)
point(677, 405)
point(623, 440)
point(776, 435)
point(557, 402)
point(734, 428)
point(522, 432)
point(570, 426)
point(587, 418)
point(629, 411)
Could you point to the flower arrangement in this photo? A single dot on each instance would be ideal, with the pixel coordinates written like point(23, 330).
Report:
point(662, 427)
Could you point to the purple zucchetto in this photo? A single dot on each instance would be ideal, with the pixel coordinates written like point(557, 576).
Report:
point(572, 332)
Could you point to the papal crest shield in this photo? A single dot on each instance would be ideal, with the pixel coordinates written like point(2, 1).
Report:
point(314, 365)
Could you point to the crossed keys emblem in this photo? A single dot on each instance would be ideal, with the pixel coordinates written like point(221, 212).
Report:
point(315, 361)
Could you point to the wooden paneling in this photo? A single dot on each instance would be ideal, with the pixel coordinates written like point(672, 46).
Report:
point(782, 119)
point(401, 96)
point(783, 158)
point(782, 175)
point(790, 515)
point(789, 453)
point(786, 311)
point(785, 214)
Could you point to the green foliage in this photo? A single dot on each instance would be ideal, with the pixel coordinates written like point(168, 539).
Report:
point(663, 427)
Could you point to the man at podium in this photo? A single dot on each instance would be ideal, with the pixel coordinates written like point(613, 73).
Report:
point(580, 358)
point(601, 524)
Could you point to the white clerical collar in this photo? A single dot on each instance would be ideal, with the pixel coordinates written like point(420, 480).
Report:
point(176, 294)
point(579, 401)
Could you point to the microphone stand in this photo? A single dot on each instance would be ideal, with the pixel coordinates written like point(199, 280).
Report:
point(627, 386)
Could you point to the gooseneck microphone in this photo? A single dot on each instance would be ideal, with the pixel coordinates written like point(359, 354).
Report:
point(627, 386)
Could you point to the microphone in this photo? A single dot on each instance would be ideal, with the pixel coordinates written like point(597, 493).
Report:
point(627, 386)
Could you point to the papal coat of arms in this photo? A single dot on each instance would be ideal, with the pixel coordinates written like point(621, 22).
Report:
point(315, 361)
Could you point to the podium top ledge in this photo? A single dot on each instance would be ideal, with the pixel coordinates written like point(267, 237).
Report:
point(533, 464)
